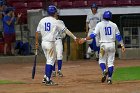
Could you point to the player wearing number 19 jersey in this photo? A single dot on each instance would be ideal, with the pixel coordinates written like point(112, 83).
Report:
point(49, 28)
point(108, 32)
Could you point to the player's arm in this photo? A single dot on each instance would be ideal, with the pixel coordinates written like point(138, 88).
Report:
point(69, 33)
point(18, 17)
point(9, 21)
point(36, 40)
point(87, 38)
point(62, 28)
point(92, 35)
point(37, 35)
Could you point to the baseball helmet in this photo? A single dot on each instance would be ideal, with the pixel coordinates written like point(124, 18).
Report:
point(94, 5)
point(107, 15)
point(51, 10)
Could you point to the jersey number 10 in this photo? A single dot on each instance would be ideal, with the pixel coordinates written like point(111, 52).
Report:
point(108, 31)
point(47, 26)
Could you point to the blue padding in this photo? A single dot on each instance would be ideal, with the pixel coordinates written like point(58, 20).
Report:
point(92, 35)
point(93, 45)
point(118, 37)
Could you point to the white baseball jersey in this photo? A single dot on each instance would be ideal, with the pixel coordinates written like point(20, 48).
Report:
point(60, 34)
point(93, 19)
point(107, 31)
point(47, 26)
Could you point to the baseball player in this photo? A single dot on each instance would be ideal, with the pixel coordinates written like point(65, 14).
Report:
point(108, 32)
point(91, 21)
point(59, 52)
point(49, 27)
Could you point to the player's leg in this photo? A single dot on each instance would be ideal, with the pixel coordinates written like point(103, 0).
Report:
point(5, 48)
point(53, 69)
point(95, 48)
point(49, 51)
point(111, 57)
point(6, 42)
point(13, 39)
point(89, 51)
point(59, 57)
point(102, 63)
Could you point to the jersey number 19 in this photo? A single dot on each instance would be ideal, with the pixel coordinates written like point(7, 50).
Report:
point(108, 31)
point(47, 26)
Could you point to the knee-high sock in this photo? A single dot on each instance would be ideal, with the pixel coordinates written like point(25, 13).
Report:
point(103, 67)
point(110, 71)
point(53, 67)
point(48, 71)
point(59, 64)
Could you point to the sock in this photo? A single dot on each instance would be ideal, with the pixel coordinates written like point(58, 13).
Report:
point(53, 67)
point(59, 65)
point(103, 67)
point(48, 71)
point(110, 71)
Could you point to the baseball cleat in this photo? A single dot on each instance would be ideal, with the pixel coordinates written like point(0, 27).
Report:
point(44, 80)
point(53, 74)
point(104, 76)
point(60, 74)
point(50, 83)
point(97, 59)
point(109, 81)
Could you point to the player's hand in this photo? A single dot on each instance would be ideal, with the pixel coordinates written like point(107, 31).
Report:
point(77, 40)
point(36, 46)
point(82, 40)
point(123, 49)
point(19, 15)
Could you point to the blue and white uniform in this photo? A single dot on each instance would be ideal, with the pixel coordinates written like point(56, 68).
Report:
point(108, 32)
point(92, 20)
point(47, 27)
point(59, 48)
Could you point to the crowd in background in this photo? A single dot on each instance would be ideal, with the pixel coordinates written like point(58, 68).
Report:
point(9, 19)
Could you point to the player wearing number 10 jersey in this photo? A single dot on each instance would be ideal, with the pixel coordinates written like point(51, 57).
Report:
point(108, 32)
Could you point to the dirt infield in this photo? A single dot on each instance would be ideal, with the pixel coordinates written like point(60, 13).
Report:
point(79, 77)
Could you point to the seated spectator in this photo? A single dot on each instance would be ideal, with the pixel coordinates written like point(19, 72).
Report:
point(9, 21)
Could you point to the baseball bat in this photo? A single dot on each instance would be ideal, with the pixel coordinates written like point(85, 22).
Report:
point(34, 65)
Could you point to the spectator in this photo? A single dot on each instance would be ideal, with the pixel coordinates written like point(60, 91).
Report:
point(1, 9)
point(9, 21)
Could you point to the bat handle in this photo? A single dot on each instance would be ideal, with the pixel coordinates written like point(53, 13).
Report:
point(36, 52)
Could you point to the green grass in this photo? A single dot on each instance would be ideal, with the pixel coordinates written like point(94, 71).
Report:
point(127, 74)
point(10, 82)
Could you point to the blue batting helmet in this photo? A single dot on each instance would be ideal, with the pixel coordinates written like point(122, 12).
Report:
point(51, 10)
point(107, 15)
point(94, 5)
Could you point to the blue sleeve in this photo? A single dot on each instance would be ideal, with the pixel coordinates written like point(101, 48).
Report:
point(118, 37)
point(92, 35)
